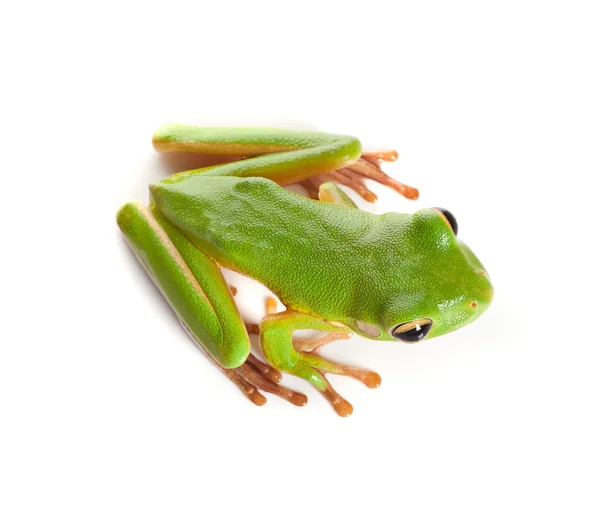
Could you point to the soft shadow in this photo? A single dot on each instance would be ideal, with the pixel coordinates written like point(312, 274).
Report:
point(173, 162)
point(165, 308)
point(144, 278)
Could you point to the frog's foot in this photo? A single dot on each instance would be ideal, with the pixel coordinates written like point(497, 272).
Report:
point(353, 176)
point(368, 167)
point(313, 184)
point(254, 376)
point(375, 156)
point(278, 346)
point(313, 368)
point(344, 408)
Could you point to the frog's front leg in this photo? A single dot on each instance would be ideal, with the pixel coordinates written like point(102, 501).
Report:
point(196, 290)
point(302, 345)
point(277, 344)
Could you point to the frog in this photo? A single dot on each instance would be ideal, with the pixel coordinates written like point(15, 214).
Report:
point(336, 269)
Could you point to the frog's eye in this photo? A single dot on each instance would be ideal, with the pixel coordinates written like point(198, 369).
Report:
point(414, 331)
point(450, 219)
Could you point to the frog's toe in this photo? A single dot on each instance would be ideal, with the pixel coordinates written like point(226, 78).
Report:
point(249, 390)
point(270, 373)
point(356, 183)
point(367, 167)
point(313, 367)
point(370, 378)
point(342, 406)
point(254, 376)
point(383, 154)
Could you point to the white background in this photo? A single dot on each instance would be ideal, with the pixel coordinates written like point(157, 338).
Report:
point(107, 411)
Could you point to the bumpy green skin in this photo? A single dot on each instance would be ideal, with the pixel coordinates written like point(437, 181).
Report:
point(335, 263)
point(331, 264)
point(210, 315)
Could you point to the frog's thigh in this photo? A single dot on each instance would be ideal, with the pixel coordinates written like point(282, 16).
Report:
point(197, 291)
point(190, 281)
point(277, 345)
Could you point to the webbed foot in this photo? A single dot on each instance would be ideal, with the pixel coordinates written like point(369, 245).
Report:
point(368, 166)
point(280, 350)
point(254, 376)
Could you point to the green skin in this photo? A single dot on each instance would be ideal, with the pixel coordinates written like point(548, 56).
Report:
point(335, 268)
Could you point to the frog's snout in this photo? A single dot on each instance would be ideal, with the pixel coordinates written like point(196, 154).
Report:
point(484, 295)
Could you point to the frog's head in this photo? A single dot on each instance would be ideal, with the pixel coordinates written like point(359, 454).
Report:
point(437, 285)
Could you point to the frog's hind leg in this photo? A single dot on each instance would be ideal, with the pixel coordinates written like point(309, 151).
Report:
point(284, 156)
point(196, 290)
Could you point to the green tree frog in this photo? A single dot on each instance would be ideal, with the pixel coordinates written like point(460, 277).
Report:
point(337, 269)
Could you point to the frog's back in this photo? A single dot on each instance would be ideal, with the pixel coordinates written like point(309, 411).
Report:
point(312, 254)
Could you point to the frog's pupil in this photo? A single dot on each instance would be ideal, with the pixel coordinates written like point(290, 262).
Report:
point(414, 334)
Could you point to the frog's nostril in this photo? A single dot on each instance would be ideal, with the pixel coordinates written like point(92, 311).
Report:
point(473, 304)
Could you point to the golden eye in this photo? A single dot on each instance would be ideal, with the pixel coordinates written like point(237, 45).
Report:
point(413, 331)
point(448, 217)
